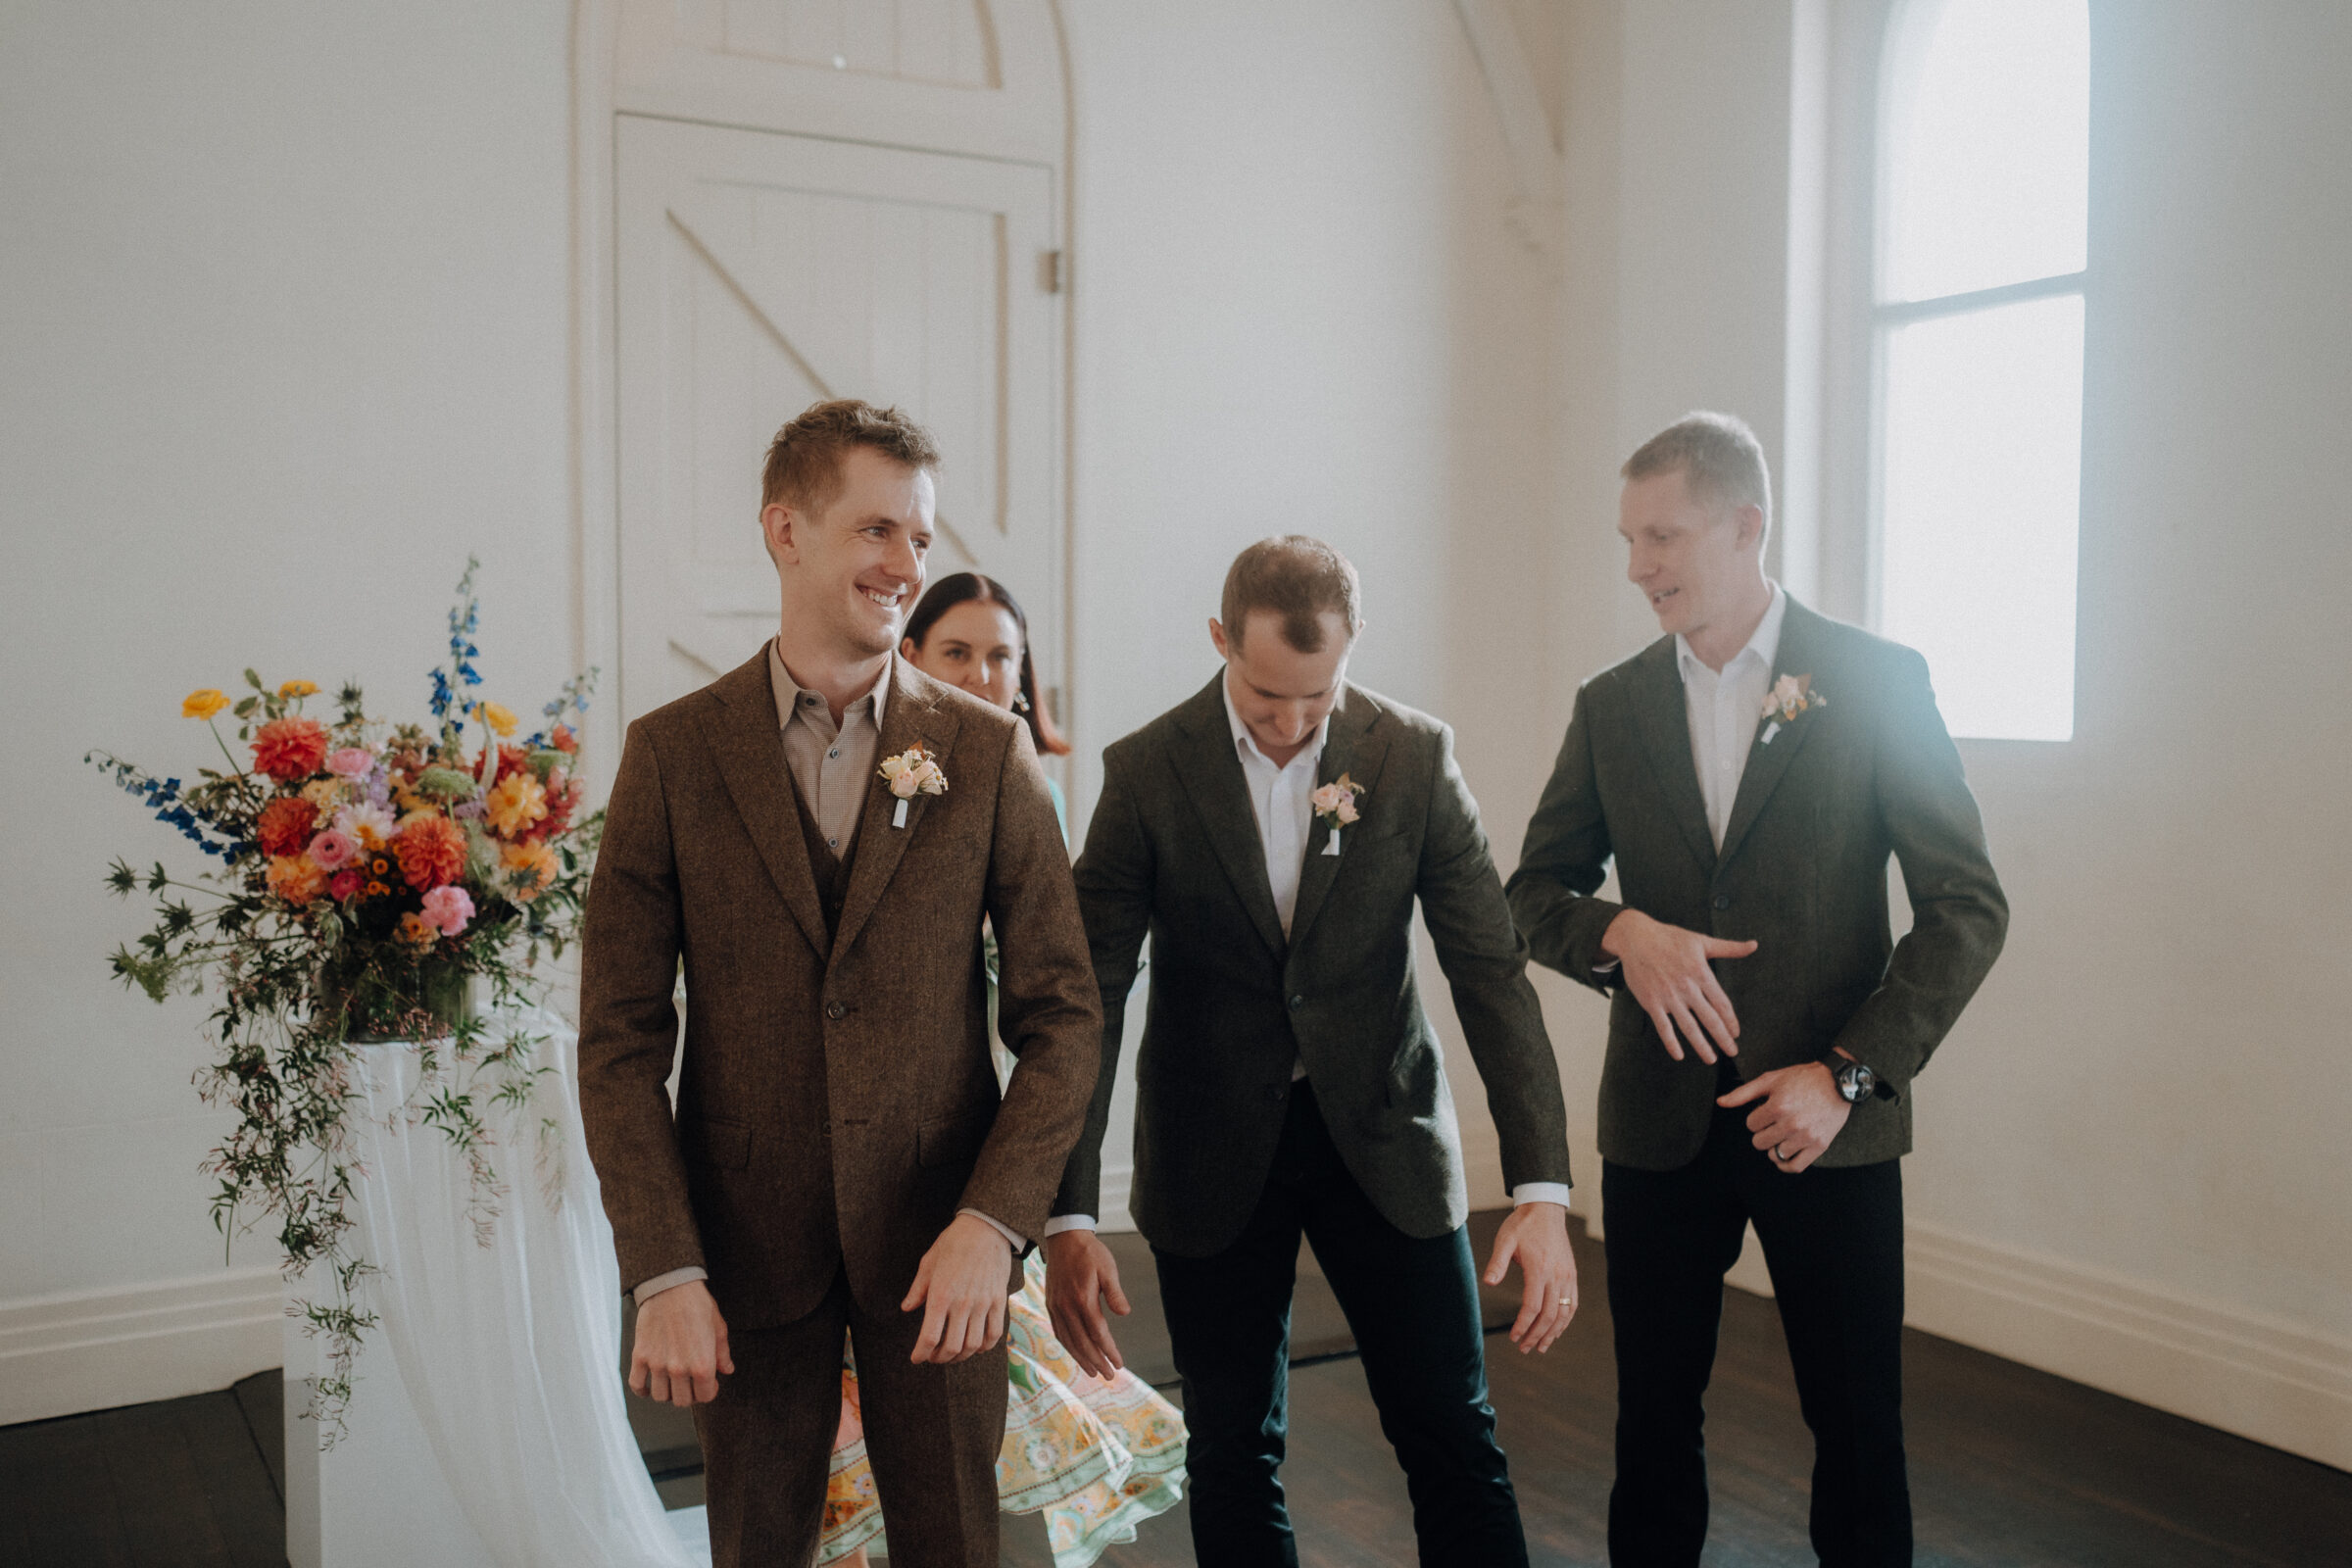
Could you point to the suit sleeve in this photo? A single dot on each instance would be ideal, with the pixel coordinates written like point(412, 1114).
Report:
point(1959, 915)
point(629, 1025)
point(1485, 961)
point(1565, 860)
point(1114, 895)
point(1046, 1010)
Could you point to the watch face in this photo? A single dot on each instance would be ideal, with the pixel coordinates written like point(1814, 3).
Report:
point(1854, 1081)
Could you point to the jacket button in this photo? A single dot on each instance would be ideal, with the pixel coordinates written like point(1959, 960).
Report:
point(1722, 901)
point(833, 1009)
point(1296, 1003)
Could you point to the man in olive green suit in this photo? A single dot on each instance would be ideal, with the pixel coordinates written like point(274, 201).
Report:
point(1273, 834)
point(1750, 773)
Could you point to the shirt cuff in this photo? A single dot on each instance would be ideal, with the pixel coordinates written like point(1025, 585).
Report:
point(662, 1282)
point(1020, 1243)
point(1540, 1193)
point(1610, 967)
point(1070, 1222)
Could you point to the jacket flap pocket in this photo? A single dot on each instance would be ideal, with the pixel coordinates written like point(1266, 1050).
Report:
point(953, 1139)
point(715, 1141)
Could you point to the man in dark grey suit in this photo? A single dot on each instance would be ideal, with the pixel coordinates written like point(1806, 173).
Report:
point(1271, 835)
point(1750, 773)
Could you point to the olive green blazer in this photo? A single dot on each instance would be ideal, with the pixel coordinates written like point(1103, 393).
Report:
point(1173, 852)
point(1823, 802)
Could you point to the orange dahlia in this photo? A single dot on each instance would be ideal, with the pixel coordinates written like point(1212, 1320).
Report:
point(293, 878)
point(515, 802)
point(431, 850)
point(289, 749)
point(534, 866)
point(285, 825)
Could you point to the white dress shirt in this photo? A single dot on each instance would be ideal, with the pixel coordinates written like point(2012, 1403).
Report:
point(1724, 709)
point(1283, 800)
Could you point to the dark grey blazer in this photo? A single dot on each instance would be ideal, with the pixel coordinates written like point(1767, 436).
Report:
point(1802, 872)
point(1173, 850)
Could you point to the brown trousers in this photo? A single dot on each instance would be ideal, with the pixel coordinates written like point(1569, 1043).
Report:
point(932, 1434)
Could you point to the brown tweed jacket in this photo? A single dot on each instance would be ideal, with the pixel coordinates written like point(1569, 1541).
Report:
point(837, 1103)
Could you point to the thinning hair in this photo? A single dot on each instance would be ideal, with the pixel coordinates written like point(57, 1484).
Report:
point(804, 461)
point(1720, 460)
point(1298, 579)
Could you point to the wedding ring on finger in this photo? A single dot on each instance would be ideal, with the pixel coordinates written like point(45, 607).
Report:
point(1782, 1155)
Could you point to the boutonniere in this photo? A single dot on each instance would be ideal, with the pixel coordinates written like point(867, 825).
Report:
point(1335, 803)
point(1791, 696)
point(910, 773)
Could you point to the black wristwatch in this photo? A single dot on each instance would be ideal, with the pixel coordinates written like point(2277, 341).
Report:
point(1855, 1082)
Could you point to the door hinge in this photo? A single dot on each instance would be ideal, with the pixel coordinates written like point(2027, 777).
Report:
point(1050, 272)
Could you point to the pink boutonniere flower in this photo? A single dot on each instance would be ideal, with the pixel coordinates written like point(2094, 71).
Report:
point(1335, 803)
point(1791, 697)
point(914, 771)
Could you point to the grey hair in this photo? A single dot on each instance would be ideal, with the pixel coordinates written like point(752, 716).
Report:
point(1718, 456)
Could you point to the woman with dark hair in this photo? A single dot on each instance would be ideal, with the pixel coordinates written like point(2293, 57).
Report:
point(1096, 1458)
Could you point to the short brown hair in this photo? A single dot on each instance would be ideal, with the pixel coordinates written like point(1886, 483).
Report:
point(1720, 460)
point(804, 461)
point(1297, 578)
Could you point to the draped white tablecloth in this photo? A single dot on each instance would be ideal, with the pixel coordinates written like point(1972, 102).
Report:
point(486, 1424)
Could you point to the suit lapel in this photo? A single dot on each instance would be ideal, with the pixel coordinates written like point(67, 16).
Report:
point(1662, 715)
point(749, 744)
point(1771, 752)
point(1210, 774)
point(1357, 745)
point(911, 716)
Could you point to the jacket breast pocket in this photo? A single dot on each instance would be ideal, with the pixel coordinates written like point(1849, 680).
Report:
point(715, 1141)
point(954, 1139)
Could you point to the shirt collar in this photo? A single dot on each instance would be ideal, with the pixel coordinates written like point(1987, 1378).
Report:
point(1764, 643)
point(789, 690)
point(1249, 743)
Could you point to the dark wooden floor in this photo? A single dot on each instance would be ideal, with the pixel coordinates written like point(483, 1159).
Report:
point(2008, 1466)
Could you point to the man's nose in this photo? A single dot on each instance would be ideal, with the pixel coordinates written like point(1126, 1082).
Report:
point(906, 565)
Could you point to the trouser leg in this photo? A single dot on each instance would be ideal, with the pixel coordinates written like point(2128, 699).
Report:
point(1671, 1237)
point(1229, 1326)
point(767, 1438)
point(1412, 1303)
point(932, 1434)
point(1834, 1240)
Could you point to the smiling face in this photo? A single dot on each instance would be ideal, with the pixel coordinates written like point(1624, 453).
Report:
point(1699, 564)
point(850, 571)
point(1282, 695)
point(975, 644)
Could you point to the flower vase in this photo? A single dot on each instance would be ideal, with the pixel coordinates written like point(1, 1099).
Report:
point(375, 1014)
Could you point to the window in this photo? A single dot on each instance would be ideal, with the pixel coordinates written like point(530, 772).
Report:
point(1985, 167)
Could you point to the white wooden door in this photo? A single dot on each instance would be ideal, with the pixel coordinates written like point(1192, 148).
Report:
point(757, 273)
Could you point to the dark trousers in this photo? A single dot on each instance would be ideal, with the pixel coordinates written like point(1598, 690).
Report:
point(1413, 1306)
point(1834, 1242)
point(931, 1434)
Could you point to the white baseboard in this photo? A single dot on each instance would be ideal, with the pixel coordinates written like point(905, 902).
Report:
point(95, 1350)
point(2217, 1364)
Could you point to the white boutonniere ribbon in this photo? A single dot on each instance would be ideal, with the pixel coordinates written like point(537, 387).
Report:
point(910, 773)
point(1335, 803)
point(1791, 696)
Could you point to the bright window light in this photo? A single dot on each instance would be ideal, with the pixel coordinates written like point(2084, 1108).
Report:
point(1979, 325)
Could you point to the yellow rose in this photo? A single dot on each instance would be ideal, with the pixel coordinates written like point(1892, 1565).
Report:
point(202, 705)
point(297, 688)
point(499, 719)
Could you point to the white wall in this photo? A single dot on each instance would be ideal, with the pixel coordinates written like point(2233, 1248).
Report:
point(284, 309)
point(2128, 1166)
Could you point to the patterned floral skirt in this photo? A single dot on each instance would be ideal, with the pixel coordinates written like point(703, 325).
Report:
point(1097, 1459)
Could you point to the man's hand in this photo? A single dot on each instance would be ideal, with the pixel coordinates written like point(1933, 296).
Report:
point(1537, 1235)
point(681, 1346)
point(1801, 1112)
point(960, 1286)
point(1666, 970)
point(1081, 1277)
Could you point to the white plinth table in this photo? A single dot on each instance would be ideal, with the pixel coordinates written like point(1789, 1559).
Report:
point(486, 1428)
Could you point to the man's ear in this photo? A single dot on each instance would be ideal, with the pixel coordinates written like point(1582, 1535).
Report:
point(1216, 635)
point(1750, 522)
point(777, 522)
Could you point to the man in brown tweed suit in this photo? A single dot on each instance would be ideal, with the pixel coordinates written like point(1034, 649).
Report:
point(840, 1160)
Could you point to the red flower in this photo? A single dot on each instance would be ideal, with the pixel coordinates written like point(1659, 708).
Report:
point(284, 825)
point(510, 760)
point(563, 740)
point(431, 850)
point(343, 884)
point(289, 749)
point(562, 798)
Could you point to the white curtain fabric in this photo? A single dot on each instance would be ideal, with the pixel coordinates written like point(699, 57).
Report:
point(505, 1329)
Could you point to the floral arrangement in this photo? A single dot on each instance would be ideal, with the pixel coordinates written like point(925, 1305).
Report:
point(1791, 697)
point(1336, 803)
point(914, 771)
point(369, 875)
